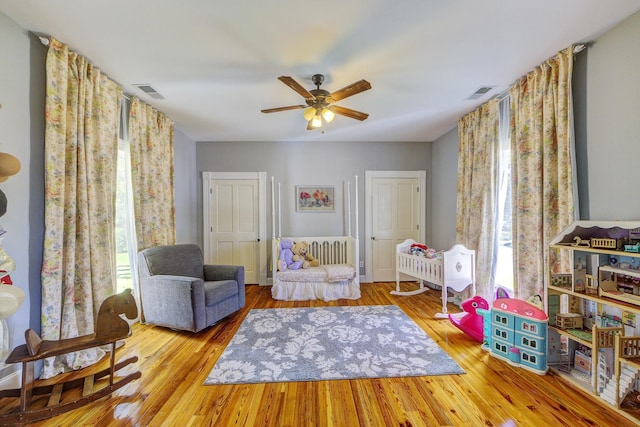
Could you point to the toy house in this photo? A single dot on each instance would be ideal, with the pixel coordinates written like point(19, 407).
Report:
point(517, 333)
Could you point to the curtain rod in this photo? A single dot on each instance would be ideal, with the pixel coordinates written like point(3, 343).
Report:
point(46, 42)
point(576, 49)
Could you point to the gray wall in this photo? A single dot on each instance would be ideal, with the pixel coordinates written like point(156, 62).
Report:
point(185, 181)
point(444, 190)
point(613, 123)
point(606, 86)
point(21, 134)
point(311, 163)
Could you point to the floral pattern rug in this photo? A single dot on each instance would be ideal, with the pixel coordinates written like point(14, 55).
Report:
point(328, 343)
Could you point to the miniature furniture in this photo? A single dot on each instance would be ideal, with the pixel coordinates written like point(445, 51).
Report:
point(627, 368)
point(600, 286)
point(110, 328)
point(453, 269)
point(179, 291)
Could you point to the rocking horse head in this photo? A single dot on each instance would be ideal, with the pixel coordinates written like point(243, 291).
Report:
point(110, 324)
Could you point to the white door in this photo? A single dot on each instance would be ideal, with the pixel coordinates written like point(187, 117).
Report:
point(396, 213)
point(233, 225)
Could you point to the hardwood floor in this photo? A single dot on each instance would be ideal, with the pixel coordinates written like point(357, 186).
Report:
point(174, 366)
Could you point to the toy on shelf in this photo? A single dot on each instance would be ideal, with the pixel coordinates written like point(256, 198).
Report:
point(635, 248)
point(469, 321)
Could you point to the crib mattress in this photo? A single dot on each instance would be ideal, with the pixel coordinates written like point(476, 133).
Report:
point(322, 273)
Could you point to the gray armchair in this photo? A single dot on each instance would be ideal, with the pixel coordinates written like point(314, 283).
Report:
point(180, 292)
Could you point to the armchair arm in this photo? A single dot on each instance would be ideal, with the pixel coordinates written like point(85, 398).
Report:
point(173, 301)
point(224, 272)
point(227, 272)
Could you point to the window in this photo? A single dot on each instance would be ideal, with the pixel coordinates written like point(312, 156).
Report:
point(125, 233)
point(504, 261)
point(124, 223)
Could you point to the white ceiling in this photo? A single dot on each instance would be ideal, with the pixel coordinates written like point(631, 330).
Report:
point(216, 62)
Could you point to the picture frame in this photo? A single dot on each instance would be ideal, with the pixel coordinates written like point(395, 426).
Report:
point(315, 198)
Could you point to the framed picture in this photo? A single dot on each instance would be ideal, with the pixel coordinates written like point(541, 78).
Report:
point(315, 198)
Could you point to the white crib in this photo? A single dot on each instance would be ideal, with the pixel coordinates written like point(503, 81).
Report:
point(453, 269)
point(335, 278)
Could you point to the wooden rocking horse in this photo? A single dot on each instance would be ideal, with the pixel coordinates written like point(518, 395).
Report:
point(110, 328)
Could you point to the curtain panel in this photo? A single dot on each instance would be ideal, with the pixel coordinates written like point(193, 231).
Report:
point(82, 108)
point(151, 144)
point(542, 169)
point(476, 204)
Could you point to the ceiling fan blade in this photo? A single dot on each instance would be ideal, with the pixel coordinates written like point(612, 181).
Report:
point(352, 89)
point(290, 107)
point(289, 81)
point(349, 112)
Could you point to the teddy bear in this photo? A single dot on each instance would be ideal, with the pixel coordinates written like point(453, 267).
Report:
point(301, 253)
point(286, 261)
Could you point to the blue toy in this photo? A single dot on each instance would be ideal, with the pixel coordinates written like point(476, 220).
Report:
point(469, 321)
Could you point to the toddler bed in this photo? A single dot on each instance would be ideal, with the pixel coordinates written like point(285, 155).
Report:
point(454, 269)
point(336, 277)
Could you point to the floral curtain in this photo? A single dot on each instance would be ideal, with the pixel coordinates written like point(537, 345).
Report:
point(151, 141)
point(542, 168)
point(476, 212)
point(81, 138)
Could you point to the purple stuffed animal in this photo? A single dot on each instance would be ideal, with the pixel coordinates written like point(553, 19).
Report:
point(286, 256)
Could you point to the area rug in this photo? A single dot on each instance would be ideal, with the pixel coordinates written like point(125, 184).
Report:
point(329, 343)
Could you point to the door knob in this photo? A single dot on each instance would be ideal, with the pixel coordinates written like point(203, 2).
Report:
point(373, 238)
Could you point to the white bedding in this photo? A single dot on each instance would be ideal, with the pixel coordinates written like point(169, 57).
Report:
point(326, 282)
point(306, 291)
point(321, 273)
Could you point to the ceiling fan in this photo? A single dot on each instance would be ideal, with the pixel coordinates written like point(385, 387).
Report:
point(320, 102)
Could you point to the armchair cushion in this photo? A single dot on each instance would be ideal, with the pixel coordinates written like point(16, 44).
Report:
point(219, 290)
point(176, 260)
point(180, 292)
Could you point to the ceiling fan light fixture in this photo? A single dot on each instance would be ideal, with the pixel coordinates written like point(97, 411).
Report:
point(328, 115)
point(316, 121)
point(320, 102)
point(308, 113)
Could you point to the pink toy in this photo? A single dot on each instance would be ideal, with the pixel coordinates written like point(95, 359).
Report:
point(469, 321)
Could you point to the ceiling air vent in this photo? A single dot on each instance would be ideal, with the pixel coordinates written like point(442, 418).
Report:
point(480, 92)
point(149, 90)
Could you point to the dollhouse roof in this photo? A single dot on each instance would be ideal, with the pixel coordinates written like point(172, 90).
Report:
point(589, 229)
point(520, 308)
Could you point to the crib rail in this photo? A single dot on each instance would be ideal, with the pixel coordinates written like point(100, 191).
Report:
point(420, 268)
point(329, 252)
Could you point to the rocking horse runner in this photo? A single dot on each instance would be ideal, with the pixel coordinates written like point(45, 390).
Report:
point(110, 327)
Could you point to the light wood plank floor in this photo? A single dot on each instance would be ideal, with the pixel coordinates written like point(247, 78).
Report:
point(174, 366)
